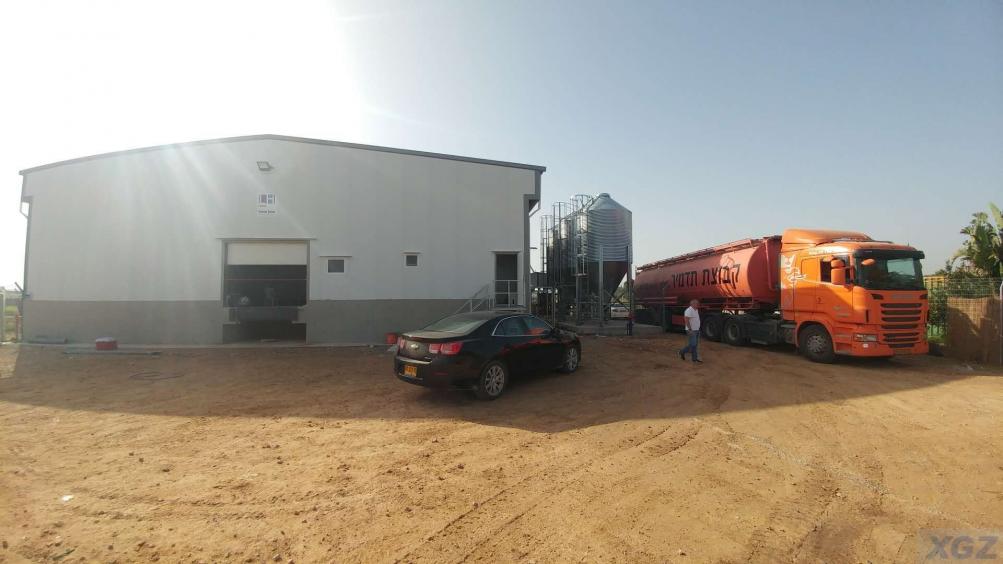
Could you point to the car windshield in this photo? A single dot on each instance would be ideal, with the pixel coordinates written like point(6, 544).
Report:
point(460, 324)
point(890, 273)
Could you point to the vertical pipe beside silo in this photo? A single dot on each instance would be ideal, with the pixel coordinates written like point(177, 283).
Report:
point(630, 282)
point(602, 291)
point(578, 300)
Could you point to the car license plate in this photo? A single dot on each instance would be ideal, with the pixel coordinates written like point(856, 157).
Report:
point(410, 370)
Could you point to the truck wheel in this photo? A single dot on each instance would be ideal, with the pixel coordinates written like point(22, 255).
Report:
point(712, 328)
point(732, 333)
point(491, 384)
point(816, 345)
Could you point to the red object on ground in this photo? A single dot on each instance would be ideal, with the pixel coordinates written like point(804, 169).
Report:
point(105, 344)
point(391, 338)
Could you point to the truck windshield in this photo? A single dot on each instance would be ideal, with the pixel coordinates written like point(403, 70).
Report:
point(890, 272)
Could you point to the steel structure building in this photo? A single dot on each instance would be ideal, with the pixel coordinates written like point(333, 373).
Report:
point(270, 236)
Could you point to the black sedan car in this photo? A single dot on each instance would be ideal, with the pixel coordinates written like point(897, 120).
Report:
point(480, 350)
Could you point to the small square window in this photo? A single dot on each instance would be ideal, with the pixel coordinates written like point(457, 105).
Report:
point(410, 260)
point(336, 265)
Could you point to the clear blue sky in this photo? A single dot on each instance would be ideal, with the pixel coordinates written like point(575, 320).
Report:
point(712, 121)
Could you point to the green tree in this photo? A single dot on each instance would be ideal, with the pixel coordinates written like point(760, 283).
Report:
point(983, 251)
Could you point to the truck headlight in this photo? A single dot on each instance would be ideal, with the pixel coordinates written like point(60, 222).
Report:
point(865, 337)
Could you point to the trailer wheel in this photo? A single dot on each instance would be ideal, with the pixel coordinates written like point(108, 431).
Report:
point(733, 333)
point(712, 328)
point(816, 345)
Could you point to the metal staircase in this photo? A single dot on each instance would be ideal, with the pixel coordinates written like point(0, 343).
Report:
point(483, 299)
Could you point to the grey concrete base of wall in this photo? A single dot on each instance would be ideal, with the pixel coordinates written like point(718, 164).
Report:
point(131, 322)
point(368, 321)
point(201, 322)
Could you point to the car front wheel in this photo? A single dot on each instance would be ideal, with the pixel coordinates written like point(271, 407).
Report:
point(491, 384)
point(572, 358)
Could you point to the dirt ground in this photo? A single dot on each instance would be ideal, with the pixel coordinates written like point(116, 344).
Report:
point(320, 455)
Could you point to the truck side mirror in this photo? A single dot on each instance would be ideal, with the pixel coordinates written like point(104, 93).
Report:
point(839, 276)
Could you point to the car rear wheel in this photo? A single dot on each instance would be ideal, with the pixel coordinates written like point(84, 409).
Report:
point(491, 384)
point(572, 358)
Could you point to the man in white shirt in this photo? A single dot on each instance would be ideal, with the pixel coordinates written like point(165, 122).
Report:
point(692, 319)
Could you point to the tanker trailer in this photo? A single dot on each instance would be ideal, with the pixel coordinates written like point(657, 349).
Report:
point(743, 276)
point(827, 292)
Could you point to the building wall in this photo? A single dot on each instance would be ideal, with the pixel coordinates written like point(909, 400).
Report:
point(131, 322)
point(151, 227)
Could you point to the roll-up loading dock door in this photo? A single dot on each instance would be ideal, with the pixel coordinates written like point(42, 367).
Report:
point(265, 274)
point(264, 285)
point(266, 253)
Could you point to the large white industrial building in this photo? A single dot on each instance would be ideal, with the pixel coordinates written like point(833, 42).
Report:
point(270, 236)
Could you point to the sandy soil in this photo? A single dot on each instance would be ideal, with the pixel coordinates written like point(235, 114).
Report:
point(319, 455)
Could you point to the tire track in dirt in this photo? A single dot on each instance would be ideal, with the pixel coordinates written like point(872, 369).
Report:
point(649, 448)
point(511, 503)
point(774, 542)
point(636, 456)
point(834, 526)
point(817, 499)
point(829, 476)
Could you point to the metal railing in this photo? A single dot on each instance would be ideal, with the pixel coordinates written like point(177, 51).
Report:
point(506, 293)
point(503, 295)
point(480, 298)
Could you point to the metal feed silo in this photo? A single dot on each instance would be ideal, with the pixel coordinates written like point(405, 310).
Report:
point(608, 233)
point(586, 252)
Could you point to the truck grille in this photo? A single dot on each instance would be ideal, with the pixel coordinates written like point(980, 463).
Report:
point(901, 324)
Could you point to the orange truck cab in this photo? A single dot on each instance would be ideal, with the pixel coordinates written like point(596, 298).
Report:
point(846, 293)
point(827, 292)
